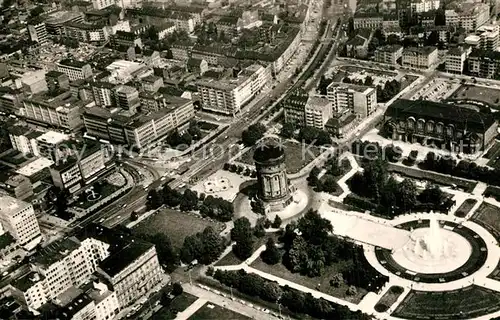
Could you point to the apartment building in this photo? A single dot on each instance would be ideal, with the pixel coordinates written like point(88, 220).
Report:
point(472, 15)
point(77, 165)
point(420, 57)
point(10, 100)
point(56, 81)
point(452, 18)
point(18, 218)
point(165, 30)
point(489, 37)
point(368, 21)
point(103, 93)
point(127, 98)
point(318, 111)
point(455, 60)
point(87, 32)
point(420, 6)
point(484, 64)
point(288, 50)
point(56, 21)
point(139, 130)
point(229, 94)
point(17, 186)
point(294, 107)
point(389, 54)
point(75, 69)
point(23, 139)
point(126, 39)
point(351, 98)
point(32, 82)
point(63, 111)
point(151, 83)
point(133, 271)
point(391, 23)
point(101, 4)
point(38, 32)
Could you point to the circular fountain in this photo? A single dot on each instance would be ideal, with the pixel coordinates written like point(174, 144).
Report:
point(433, 250)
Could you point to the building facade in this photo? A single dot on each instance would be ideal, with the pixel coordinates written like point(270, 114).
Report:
point(389, 54)
point(446, 126)
point(420, 57)
point(75, 70)
point(455, 60)
point(18, 218)
point(351, 98)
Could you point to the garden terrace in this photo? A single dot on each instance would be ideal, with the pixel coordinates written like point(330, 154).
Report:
point(467, 303)
point(465, 208)
point(487, 215)
point(389, 298)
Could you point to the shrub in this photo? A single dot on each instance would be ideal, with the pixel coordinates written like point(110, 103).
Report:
point(177, 289)
point(380, 307)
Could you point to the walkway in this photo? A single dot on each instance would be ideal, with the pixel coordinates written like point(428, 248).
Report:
point(191, 309)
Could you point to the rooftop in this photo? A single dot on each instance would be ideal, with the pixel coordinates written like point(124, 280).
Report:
point(62, 17)
point(123, 257)
point(25, 282)
point(56, 251)
point(73, 63)
point(350, 86)
point(35, 166)
point(463, 118)
point(53, 137)
point(9, 206)
point(420, 50)
point(390, 48)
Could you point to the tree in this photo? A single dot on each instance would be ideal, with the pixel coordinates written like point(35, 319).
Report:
point(313, 179)
point(253, 133)
point(134, 216)
point(242, 235)
point(323, 138)
point(271, 255)
point(189, 201)
point(177, 289)
point(314, 228)
point(194, 130)
point(154, 200)
point(324, 82)
point(287, 131)
point(213, 245)
point(167, 255)
point(329, 184)
point(259, 230)
point(171, 197)
point(137, 49)
point(297, 255)
point(407, 195)
point(271, 291)
point(432, 194)
point(432, 39)
point(191, 249)
point(35, 12)
point(308, 134)
point(276, 222)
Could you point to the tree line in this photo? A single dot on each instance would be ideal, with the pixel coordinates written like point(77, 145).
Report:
point(208, 206)
point(292, 299)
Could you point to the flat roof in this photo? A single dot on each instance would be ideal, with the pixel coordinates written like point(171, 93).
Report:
point(56, 251)
point(62, 16)
point(53, 137)
point(9, 206)
point(25, 282)
point(35, 166)
point(121, 259)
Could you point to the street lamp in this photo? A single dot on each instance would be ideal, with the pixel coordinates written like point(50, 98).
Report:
point(279, 305)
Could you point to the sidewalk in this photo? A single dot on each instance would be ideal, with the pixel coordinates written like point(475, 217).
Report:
point(191, 309)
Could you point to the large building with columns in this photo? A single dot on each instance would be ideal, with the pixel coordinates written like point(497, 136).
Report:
point(442, 125)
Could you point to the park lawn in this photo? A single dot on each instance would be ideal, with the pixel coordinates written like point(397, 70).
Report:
point(465, 207)
point(279, 270)
point(297, 156)
point(231, 259)
point(389, 298)
point(467, 303)
point(488, 216)
point(496, 273)
point(179, 304)
point(176, 225)
point(482, 94)
point(213, 311)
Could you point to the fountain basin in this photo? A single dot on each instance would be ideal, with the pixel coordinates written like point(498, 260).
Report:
point(417, 255)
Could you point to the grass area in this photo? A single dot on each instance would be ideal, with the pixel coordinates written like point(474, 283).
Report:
point(482, 94)
point(345, 168)
point(231, 259)
point(176, 225)
point(213, 311)
point(207, 126)
point(296, 156)
point(178, 304)
point(465, 207)
point(467, 303)
point(105, 189)
point(496, 273)
point(317, 283)
point(488, 216)
point(389, 298)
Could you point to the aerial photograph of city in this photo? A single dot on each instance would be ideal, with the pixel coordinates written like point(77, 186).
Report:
point(249, 159)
